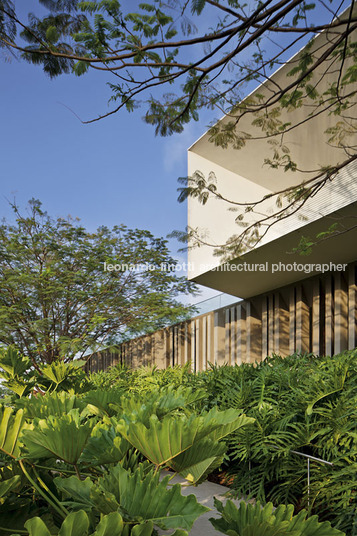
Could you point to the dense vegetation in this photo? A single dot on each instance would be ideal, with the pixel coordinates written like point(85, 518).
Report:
point(87, 455)
point(300, 403)
point(76, 460)
point(64, 291)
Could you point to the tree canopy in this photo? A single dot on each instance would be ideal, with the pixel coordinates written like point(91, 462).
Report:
point(57, 297)
point(204, 51)
point(175, 58)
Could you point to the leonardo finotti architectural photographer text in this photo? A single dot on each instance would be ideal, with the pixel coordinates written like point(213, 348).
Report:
point(239, 267)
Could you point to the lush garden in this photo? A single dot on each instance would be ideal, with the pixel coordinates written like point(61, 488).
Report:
point(87, 456)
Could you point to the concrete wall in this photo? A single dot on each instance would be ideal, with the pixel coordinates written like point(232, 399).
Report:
point(315, 315)
point(217, 224)
point(241, 176)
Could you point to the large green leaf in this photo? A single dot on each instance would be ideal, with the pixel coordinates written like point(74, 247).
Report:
point(11, 424)
point(36, 527)
point(144, 496)
point(77, 493)
point(13, 363)
point(219, 424)
point(85, 494)
point(101, 402)
point(104, 446)
point(58, 371)
point(161, 441)
point(9, 484)
point(20, 386)
point(206, 454)
point(313, 527)
point(50, 404)
point(159, 402)
point(187, 444)
point(13, 368)
point(253, 520)
point(196, 462)
point(110, 525)
point(57, 437)
point(146, 529)
point(75, 524)
point(136, 495)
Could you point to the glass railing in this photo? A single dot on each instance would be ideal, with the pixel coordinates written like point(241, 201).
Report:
point(211, 304)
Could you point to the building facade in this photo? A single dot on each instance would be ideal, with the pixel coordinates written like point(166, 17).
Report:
point(285, 303)
point(317, 315)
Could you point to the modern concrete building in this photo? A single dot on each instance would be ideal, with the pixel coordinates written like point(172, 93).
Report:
point(285, 308)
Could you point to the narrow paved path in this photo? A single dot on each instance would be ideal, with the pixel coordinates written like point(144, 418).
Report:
point(205, 494)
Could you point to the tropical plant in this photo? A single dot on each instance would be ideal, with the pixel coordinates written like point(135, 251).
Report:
point(256, 520)
point(145, 378)
point(82, 462)
point(78, 523)
point(119, 434)
point(22, 378)
point(300, 403)
point(58, 299)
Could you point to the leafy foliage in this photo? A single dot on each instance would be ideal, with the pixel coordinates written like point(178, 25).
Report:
point(249, 520)
point(57, 300)
point(151, 59)
point(78, 460)
point(189, 445)
point(137, 495)
point(147, 48)
point(77, 524)
point(92, 458)
point(301, 403)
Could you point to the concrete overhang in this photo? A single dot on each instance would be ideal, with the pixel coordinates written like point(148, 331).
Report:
point(306, 142)
point(241, 176)
point(245, 284)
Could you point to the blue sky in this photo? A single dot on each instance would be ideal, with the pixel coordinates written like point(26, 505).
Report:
point(110, 172)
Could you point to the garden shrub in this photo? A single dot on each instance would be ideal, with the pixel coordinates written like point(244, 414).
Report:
point(302, 403)
point(126, 425)
point(77, 460)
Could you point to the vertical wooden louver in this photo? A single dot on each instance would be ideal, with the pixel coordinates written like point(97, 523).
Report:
point(316, 315)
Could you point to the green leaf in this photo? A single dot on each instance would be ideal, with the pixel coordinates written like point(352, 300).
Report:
point(59, 371)
point(52, 34)
point(253, 519)
point(10, 427)
point(76, 524)
point(57, 437)
point(56, 404)
point(80, 67)
point(184, 443)
point(13, 363)
point(195, 463)
point(78, 490)
point(101, 401)
point(36, 527)
point(145, 497)
point(112, 525)
point(161, 441)
point(138, 496)
point(104, 446)
point(8, 485)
